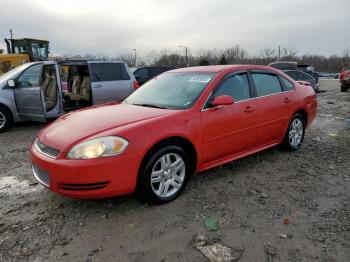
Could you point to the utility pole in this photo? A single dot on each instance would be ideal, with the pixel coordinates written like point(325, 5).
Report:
point(186, 54)
point(279, 52)
point(11, 33)
point(135, 56)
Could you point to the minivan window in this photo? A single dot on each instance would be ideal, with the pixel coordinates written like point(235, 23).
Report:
point(103, 72)
point(266, 84)
point(237, 86)
point(30, 77)
point(288, 85)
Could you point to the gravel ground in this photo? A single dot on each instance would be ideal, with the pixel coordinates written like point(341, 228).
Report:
point(272, 206)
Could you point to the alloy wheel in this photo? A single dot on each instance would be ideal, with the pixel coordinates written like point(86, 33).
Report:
point(2, 120)
point(168, 175)
point(296, 132)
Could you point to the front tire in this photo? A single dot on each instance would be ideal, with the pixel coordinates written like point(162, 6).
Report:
point(295, 133)
point(5, 118)
point(164, 175)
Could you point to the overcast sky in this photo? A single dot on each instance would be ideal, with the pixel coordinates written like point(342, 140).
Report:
point(114, 27)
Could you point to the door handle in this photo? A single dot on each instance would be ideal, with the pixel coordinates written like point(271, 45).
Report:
point(98, 86)
point(35, 92)
point(249, 109)
point(286, 100)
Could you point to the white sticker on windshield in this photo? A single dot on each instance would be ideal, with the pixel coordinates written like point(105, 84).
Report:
point(200, 79)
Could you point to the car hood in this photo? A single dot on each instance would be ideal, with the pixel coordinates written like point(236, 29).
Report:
point(82, 124)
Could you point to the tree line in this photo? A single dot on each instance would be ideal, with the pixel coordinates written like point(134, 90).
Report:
point(232, 55)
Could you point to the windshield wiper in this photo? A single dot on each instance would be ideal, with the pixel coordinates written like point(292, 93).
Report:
point(151, 105)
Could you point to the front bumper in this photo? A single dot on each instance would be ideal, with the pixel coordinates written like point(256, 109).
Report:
point(87, 179)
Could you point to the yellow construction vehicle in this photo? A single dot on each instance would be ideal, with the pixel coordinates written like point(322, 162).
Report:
point(24, 50)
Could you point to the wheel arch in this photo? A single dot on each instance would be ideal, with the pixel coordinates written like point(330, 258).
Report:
point(8, 109)
point(303, 113)
point(180, 141)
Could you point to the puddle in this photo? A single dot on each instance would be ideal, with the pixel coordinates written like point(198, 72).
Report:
point(10, 185)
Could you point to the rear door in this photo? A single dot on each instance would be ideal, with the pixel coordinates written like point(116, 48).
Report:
point(274, 107)
point(28, 95)
point(110, 81)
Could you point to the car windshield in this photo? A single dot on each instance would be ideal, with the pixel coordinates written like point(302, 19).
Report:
point(10, 74)
point(171, 90)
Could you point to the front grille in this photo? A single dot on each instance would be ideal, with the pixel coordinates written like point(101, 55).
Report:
point(41, 175)
point(81, 187)
point(46, 150)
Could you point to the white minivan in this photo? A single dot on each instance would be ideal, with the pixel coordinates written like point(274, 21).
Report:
point(44, 90)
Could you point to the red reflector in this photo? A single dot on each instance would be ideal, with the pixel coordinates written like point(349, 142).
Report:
point(136, 84)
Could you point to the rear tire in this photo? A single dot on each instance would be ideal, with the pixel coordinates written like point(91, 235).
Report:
point(295, 133)
point(5, 118)
point(164, 175)
point(344, 88)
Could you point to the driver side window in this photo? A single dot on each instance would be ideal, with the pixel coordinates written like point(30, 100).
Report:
point(237, 86)
point(30, 77)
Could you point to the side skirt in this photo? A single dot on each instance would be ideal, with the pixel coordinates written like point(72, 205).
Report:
point(236, 156)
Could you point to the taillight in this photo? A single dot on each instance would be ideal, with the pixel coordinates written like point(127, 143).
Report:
point(136, 84)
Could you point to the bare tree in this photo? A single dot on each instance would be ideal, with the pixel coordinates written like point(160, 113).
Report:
point(233, 55)
point(269, 54)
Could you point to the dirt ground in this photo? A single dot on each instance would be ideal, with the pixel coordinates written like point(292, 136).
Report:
point(251, 198)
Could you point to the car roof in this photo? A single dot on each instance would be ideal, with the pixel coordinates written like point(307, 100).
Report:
point(140, 67)
point(84, 62)
point(284, 65)
point(220, 68)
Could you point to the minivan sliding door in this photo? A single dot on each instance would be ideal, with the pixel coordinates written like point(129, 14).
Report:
point(109, 82)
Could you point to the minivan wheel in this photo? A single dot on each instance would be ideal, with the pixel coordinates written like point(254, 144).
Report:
point(5, 119)
point(164, 175)
point(295, 133)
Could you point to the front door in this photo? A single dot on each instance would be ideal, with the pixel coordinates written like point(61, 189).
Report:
point(109, 82)
point(231, 129)
point(28, 95)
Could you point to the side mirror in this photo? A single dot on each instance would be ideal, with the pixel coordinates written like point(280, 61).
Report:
point(223, 100)
point(11, 83)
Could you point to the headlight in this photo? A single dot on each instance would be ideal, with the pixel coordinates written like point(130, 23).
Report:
point(99, 147)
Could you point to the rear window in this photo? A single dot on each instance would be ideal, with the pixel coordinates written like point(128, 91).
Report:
point(304, 76)
point(103, 72)
point(292, 74)
point(141, 73)
point(158, 70)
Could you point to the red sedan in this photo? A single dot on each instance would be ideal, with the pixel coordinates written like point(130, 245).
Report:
point(181, 122)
